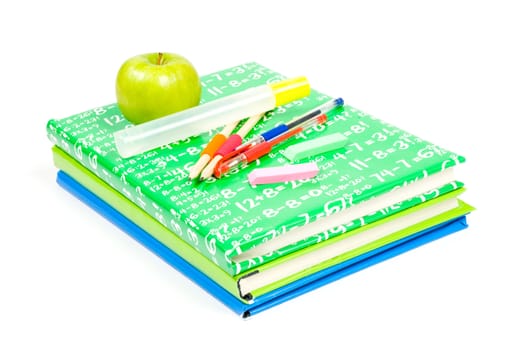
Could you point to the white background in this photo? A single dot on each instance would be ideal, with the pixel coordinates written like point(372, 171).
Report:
point(452, 72)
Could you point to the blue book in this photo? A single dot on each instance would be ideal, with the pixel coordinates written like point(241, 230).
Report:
point(276, 296)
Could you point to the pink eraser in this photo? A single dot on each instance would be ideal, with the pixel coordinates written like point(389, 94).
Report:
point(283, 173)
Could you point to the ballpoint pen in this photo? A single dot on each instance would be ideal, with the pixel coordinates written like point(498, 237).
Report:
point(259, 150)
point(282, 128)
point(193, 121)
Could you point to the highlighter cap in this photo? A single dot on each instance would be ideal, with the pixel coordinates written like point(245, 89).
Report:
point(289, 90)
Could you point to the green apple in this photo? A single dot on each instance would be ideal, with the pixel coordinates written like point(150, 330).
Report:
point(153, 85)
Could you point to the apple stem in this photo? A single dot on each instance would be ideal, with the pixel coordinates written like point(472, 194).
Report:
point(160, 58)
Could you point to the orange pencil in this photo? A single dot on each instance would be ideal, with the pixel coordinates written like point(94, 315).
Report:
point(211, 149)
point(229, 145)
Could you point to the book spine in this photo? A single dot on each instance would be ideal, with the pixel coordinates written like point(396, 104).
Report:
point(173, 218)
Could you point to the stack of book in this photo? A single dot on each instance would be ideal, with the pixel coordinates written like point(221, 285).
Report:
point(253, 247)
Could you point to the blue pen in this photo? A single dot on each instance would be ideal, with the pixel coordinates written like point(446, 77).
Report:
point(283, 128)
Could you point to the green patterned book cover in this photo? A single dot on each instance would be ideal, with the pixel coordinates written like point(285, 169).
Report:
point(224, 218)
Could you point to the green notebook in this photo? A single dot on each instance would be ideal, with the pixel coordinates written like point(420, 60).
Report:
point(448, 207)
point(243, 228)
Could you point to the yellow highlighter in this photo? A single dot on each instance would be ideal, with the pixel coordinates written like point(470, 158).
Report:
point(193, 121)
